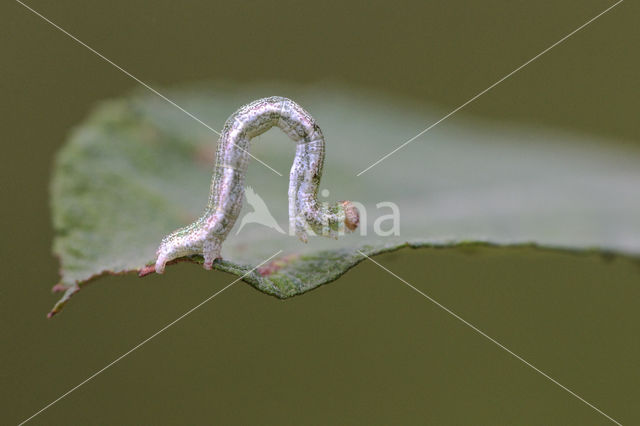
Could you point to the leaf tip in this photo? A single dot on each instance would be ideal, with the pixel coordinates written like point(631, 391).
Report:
point(69, 290)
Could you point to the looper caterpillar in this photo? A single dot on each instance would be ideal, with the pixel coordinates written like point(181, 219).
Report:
point(206, 235)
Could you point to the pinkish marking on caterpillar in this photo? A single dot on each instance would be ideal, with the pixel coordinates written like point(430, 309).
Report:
point(206, 235)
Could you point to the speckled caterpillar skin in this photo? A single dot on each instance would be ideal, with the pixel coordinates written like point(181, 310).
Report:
point(206, 235)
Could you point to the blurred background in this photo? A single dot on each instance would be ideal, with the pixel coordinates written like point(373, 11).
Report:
point(365, 349)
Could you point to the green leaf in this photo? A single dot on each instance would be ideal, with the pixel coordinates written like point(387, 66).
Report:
point(139, 168)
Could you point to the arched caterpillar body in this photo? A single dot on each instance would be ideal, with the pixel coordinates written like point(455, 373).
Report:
point(206, 235)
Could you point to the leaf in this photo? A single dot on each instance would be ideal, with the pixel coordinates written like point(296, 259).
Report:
point(139, 168)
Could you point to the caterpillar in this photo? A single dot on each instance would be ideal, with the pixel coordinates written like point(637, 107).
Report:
point(206, 235)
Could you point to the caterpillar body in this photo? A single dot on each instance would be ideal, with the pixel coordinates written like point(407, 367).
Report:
point(206, 235)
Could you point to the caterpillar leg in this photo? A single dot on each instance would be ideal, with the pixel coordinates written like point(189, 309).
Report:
point(160, 263)
point(210, 252)
point(180, 243)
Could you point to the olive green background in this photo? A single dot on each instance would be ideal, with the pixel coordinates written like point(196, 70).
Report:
point(363, 350)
